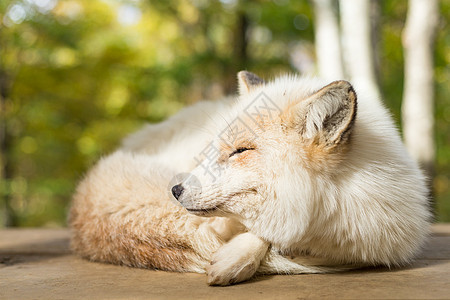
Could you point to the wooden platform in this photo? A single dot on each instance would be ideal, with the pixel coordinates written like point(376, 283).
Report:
point(37, 264)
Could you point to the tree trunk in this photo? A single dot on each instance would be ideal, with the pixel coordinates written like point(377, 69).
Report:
point(8, 217)
point(327, 41)
point(376, 36)
point(240, 55)
point(240, 40)
point(357, 45)
point(417, 107)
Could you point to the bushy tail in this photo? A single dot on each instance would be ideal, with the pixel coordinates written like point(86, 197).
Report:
point(121, 214)
point(275, 263)
point(132, 243)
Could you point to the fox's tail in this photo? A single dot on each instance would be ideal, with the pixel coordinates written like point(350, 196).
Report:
point(129, 243)
point(275, 263)
point(121, 214)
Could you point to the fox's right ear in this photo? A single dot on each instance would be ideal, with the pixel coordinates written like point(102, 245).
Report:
point(327, 117)
point(248, 81)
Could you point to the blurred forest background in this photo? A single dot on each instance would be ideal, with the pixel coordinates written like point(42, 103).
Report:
point(76, 76)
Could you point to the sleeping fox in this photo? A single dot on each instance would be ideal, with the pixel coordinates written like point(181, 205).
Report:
point(292, 176)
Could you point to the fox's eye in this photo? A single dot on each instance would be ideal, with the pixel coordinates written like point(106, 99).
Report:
point(240, 150)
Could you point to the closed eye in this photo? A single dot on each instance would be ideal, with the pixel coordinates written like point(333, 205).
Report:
point(240, 150)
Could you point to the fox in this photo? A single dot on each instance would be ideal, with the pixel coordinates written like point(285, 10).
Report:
point(292, 176)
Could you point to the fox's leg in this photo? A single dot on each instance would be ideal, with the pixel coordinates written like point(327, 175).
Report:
point(246, 255)
point(238, 260)
point(225, 228)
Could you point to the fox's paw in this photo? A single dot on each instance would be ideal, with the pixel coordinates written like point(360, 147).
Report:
point(229, 270)
point(237, 260)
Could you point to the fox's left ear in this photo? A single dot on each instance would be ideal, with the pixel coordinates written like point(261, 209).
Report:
point(327, 117)
point(248, 81)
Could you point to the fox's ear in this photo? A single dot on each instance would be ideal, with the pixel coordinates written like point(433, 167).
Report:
point(248, 81)
point(327, 117)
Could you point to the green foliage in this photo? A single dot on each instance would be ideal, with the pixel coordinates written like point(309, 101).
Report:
point(81, 74)
point(442, 120)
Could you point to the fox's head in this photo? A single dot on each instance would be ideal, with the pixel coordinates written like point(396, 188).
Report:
point(268, 166)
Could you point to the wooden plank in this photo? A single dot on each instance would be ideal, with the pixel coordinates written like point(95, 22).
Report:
point(37, 264)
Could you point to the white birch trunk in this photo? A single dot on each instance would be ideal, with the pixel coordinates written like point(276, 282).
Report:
point(417, 106)
point(327, 41)
point(357, 46)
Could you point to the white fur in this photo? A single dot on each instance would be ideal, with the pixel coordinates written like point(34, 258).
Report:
point(369, 208)
point(372, 209)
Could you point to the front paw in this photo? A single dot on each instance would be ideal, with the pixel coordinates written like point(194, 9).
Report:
point(227, 272)
point(237, 260)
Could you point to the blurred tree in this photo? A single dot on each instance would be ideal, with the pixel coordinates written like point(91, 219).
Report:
point(357, 44)
point(328, 40)
point(9, 217)
point(418, 96)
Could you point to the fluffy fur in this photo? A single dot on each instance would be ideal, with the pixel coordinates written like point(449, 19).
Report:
point(325, 177)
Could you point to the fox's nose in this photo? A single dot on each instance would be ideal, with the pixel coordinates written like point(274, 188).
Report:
point(177, 190)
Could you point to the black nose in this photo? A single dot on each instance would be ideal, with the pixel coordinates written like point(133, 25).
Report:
point(177, 190)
